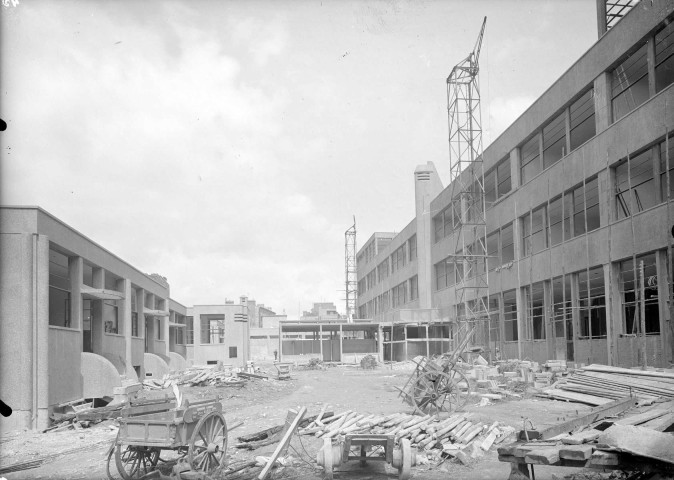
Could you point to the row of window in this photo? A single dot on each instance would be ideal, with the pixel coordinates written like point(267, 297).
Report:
point(630, 80)
point(563, 134)
point(403, 293)
point(630, 87)
point(497, 183)
point(590, 301)
point(394, 262)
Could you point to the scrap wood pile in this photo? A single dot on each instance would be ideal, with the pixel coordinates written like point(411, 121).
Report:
point(636, 442)
point(83, 418)
point(453, 436)
point(195, 377)
point(600, 384)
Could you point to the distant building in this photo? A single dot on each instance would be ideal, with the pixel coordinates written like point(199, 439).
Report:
point(321, 312)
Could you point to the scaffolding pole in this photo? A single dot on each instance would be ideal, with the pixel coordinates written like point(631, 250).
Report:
point(351, 272)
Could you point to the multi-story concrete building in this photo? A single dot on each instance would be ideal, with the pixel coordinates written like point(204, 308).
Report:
point(578, 196)
point(76, 321)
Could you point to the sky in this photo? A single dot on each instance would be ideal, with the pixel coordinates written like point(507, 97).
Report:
point(228, 145)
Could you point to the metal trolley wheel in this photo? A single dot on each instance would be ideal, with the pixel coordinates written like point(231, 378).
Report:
point(438, 391)
point(135, 461)
point(208, 445)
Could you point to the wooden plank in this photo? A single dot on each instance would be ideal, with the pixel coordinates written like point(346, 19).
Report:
point(600, 458)
point(627, 371)
point(543, 456)
point(641, 417)
point(612, 408)
point(581, 437)
point(283, 444)
point(576, 397)
point(640, 441)
point(660, 424)
point(576, 452)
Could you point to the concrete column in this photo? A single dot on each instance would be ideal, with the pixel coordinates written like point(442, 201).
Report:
point(428, 344)
point(606, 196)
point(140, 307)
point(603, 112)
point(601, 18)
point(380, 342)
point(663, 307)
point(521, 320)
point(650, 57)
point(124, 285)
point(196, 318)
point(341, 351)
point(609, 283)
point(41, 332)
point(427, 186)
point(97, 325)
point(550, 338)
point(575, 314)
point(76, 274)
point(655, 157)
point(405, 344)
point(515, 179)
point(164, 321)
point(320, 339)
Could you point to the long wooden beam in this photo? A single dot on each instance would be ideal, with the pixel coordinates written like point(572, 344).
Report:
point(603, 411)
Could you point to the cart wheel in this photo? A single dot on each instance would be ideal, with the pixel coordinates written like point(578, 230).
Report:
point(135, 461)
point(406, 451)
point(434, 392)
point(208, 445)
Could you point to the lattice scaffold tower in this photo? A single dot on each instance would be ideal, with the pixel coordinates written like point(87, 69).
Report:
point(351, 272)
point(468, 205)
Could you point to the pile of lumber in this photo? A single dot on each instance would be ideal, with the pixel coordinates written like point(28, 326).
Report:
point(200, 377)
point(600, 384)
point(451, 436)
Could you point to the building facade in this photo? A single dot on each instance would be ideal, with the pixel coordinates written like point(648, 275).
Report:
point(76, 321)
point(578, 200)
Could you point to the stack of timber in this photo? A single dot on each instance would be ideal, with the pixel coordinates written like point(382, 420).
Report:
point(428, 433)
point(638, 441)
point(195, 377)
point(600, 384)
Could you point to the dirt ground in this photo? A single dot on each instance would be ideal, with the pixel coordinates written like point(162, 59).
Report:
point(261, 404)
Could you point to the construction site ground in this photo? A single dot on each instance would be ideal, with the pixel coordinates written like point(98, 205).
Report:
point(261, 404)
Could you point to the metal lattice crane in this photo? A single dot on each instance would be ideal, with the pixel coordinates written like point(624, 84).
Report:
point(351, 271)
point(469, 259)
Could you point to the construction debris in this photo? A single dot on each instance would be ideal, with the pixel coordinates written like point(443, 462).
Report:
point(428, 433)
point(368, 362)
point(634, 442)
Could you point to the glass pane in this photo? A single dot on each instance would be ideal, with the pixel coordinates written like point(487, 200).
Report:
point(490, 188)
point(531, 165)
point(507, 244)
point(555, 212)
point(630, 99)
point(503, 173)
point(492, 250)
point(582, 119)
point(664, 57)
point(554, 140)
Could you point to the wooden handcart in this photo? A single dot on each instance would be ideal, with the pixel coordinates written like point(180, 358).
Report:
point(438, 385)
point(195, 431)
point(357, 446)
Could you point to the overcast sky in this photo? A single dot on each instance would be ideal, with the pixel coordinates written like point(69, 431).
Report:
point(227, 144)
